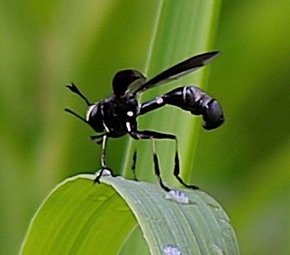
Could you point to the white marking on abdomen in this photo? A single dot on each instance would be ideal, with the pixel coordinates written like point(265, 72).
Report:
point(159, 100)
point(184, 94)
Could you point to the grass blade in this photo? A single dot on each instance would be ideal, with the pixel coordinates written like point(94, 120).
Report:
point(81, 218)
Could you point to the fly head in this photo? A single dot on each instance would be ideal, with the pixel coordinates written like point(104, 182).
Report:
point(123, 79)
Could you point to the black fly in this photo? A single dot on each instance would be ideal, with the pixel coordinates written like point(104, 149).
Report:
point(117, 114)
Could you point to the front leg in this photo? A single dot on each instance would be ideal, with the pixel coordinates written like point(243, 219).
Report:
point(103, 141)
point(73, 88)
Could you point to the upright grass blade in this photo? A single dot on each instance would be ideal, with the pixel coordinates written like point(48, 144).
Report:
point(121, 216)
point(182, 29)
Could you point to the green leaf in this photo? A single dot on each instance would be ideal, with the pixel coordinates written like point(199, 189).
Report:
point(121, 216)
point(182, 29)
point(81, 218)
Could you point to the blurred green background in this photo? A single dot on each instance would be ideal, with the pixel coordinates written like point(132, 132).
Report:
point(245, 164)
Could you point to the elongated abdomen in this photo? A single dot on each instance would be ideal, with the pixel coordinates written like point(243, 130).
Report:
point(189, 98)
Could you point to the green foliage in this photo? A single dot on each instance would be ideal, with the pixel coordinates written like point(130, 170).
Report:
point(249, 157)
point(81, 218)
point(245, 163)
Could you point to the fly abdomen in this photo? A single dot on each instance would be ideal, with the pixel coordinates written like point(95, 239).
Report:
point(193, 99)
point(213, 115)
point(200, 103)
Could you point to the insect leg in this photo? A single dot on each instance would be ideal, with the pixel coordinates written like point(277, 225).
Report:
point(177, 170)
point(157, 168)
point(73, 88)
point(75, 114)
point(134, 165)
point(155, 135)
point(103, 159)
point(95, 137)
point(103, 139)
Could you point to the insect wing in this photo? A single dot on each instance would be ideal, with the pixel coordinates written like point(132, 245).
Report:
point(175, 72)
point(136, 85)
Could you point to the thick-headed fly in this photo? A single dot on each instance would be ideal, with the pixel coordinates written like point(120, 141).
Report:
point(117, 114)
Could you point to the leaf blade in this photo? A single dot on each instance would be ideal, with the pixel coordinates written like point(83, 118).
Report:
point(97, 218)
